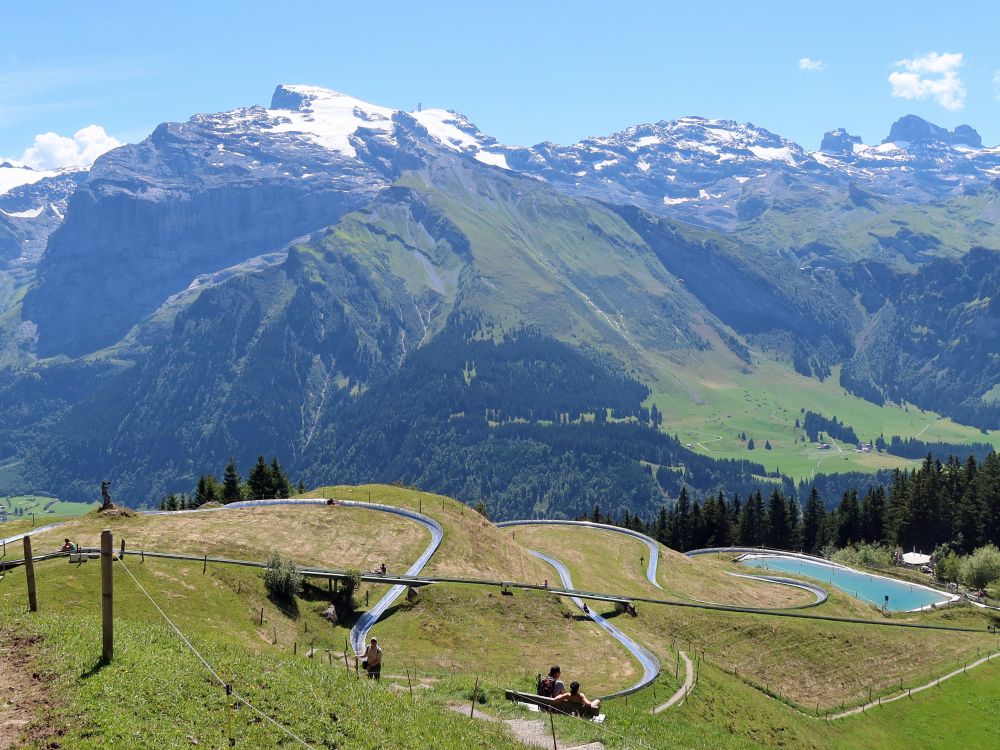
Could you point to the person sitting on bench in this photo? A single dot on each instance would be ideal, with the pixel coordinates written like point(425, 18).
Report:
point(575, 696)
point(551, 686)
point(68, 546)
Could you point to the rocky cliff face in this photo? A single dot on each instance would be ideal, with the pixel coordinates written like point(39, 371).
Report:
point(193, 198)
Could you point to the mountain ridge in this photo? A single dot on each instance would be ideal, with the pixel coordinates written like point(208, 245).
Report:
point(285, 266)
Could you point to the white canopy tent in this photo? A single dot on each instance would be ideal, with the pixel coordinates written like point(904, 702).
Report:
point(915, 558)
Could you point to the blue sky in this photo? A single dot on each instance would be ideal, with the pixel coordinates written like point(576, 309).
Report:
point(523, 71)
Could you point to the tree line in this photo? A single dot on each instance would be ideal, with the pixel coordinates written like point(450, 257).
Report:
point(813, 424)
point(264, 481)
point(939, 506)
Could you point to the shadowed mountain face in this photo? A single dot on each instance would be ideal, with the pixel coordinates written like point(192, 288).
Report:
point(317, 277)
point(935, 340)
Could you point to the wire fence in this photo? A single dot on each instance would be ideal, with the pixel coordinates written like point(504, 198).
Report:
point(211, 670)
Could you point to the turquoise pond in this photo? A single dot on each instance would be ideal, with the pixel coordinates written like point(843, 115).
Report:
point(869, 588)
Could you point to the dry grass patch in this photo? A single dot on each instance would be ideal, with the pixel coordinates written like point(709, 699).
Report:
point(328, 536)
point(603, 561)
point(707, 579)
point(472, 546)
point(610, 562)
point(814, 662)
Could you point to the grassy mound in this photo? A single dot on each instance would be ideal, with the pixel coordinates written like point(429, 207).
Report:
point(472, 546)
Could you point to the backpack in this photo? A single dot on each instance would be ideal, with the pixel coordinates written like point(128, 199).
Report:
point(546, 686)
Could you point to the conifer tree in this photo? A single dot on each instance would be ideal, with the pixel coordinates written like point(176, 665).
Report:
point(813, 521)
point(231, 483)
point(848, 519)
point(752, 521)
point(778, 531)
point(259, 480)
point(280, 486)
point(682, 521)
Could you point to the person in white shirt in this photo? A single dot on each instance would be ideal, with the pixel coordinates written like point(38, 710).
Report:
point(373, 660)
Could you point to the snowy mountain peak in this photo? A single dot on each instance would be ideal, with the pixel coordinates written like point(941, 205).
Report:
point(325, 116)
point(331, 118)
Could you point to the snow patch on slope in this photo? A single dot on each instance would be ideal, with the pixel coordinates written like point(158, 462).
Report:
point(12, 176)
point(33, 213)
point(773, 154)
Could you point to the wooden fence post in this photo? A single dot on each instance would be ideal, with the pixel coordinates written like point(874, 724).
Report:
point(107, 599)
point(475, 693)
point(29, 569)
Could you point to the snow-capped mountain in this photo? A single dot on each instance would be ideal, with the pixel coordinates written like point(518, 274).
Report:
point(693, 168)
point(720, 172)
point(205, 195)
point(32, 205)
point(917, 162)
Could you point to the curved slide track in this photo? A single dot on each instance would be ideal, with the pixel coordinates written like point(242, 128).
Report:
point(39, 530)
point(359, 632)
point(651, 544)
point(650, 664)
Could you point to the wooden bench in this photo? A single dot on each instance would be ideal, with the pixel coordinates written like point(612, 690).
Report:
point(549, 704)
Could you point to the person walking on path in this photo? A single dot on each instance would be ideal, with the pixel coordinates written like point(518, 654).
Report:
point(373, 660)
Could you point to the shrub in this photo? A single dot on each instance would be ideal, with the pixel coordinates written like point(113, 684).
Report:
point(948, 566)
point(982, 567)
point(343, 600)
point(282, 579)
point(866, 555)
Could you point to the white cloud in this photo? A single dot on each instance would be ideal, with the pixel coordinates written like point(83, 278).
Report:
point(52, 151)
point(807, 63)
point(933, 75)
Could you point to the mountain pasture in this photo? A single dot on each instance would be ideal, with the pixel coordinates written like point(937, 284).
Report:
point(757, 676)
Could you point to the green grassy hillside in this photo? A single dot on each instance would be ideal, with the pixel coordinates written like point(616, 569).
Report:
point(757, 677)
point(764, 401)
point(898, 233)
